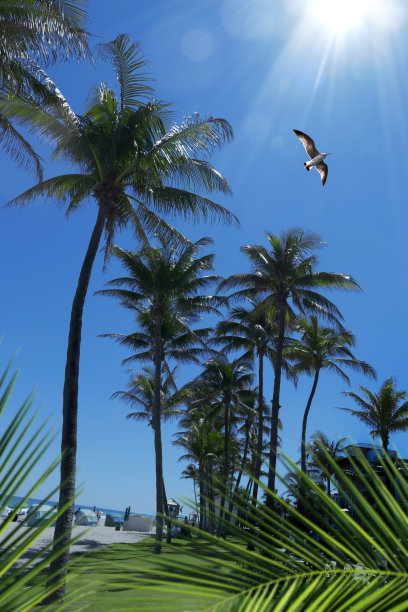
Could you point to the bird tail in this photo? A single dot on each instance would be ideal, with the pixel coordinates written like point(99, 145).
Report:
point(306, 166)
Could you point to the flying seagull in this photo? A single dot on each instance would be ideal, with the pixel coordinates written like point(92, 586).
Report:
point(316, 158)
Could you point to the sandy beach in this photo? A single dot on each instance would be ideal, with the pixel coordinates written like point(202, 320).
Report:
point(90, 538)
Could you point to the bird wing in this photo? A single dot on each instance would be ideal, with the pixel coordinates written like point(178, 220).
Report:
point(323, 170)
point(307, 143)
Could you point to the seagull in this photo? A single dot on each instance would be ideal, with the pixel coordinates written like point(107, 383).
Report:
point(316, 158)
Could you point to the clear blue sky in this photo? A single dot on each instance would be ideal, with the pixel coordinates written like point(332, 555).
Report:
point(267, 67)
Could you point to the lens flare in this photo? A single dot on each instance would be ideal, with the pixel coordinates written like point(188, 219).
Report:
point(342, 15)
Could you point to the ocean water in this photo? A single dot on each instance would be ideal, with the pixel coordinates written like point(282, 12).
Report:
point(32, 501)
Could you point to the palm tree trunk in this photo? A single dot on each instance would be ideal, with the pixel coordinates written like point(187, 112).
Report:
point(63, 526)
point(224, 487)
point(275, 406)
point(241, 470)
point(304, 423)
point(202, 518)
point(195, 494)
point(259, 446)
point(166, 512)
point(211, 502)
point(157, 441)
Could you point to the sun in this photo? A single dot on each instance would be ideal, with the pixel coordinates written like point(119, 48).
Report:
point(342, 15)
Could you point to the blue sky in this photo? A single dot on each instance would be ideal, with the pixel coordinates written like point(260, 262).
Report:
point(267, 67)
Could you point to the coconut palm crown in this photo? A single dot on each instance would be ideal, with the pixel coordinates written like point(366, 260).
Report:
point(381, 411)
point(33, 34)
point(164, 291)
point(139, 169)
point(283, 278)
point(322, 348)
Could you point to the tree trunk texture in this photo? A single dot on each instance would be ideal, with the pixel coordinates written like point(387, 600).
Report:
point(224, 487)
point(157, 442)
point(63, 526)
point(304, 423)
point(202, 519)
point(259, 446)
point(275, 407)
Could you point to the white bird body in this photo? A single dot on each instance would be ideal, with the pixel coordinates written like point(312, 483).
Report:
point(316, 160)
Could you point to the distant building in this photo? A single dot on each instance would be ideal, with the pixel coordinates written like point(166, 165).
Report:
point(371, 453)
point(174, 507)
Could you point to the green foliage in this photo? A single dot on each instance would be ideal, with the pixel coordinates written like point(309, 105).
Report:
point(35, 32)
point(136, 164)
point(319, 560)
point(22, 445)
point(381, 411)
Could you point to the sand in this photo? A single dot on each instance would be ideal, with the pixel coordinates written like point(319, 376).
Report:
point(91, 538)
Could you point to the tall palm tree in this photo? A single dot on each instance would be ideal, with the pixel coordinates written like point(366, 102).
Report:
point(191, 473)
point(140, 396)
point(322, 348)
point(136, 170)
point(284, 278)
point(227, 382)
point(35, 33)
point(323, 454)
point(381, 411)
point(203, 444)
point(250, 329)
point(164, 289)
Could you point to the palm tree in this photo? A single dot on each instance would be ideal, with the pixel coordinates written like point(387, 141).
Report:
point(324, 453)
point(140, 394)
point(251, 330)
point(227, 383)
point(203, 444)
point(35, 32)
point(164, 289)
point(381, 411)
point(136, 171)
point(281, 279)
point(322, 348)
point(191, 472)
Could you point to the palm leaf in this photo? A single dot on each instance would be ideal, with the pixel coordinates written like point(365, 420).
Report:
point(128, 63)
point(314, 560)
point(22, 446)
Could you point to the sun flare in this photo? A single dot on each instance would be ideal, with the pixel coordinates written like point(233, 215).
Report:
point(342, 15)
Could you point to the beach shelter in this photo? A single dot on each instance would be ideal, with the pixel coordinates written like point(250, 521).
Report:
point(86, 518)
point(113, 518)
point(40, 514)
point(136, 522)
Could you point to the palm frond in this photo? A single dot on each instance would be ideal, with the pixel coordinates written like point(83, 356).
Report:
point(23, 443)
point(128, 64)
point(19, 149)
point(77, 187)
point(322, 559)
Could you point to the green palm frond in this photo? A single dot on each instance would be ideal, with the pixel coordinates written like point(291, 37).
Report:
point(321, 560)
point(23, 443)
point(191, 206)
point(19, 149)
point(128, 64)
point(75, 187)
point(42, 29)
point(196, 134)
